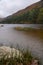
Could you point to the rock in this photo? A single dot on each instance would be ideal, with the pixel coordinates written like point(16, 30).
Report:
point(34, 62)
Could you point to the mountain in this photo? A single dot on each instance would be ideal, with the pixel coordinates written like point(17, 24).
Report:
point(31, 14)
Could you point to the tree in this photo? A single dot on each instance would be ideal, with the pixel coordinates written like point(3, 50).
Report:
point(34, 15)
point(40, 16)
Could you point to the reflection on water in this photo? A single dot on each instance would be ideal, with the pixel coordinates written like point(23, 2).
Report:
point(33, 40)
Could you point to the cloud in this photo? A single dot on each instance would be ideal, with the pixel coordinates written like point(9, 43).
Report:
point(8, 7)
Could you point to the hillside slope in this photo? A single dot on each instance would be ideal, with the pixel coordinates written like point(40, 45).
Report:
point(31, 14)
point(1, 19)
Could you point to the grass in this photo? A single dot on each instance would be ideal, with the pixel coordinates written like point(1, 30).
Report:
point(23, 28)
point(26, 29)
point(25, 59)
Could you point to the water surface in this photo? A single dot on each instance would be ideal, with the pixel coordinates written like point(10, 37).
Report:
point(33, 40)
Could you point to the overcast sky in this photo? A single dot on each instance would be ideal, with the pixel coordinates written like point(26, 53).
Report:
point(8, 7)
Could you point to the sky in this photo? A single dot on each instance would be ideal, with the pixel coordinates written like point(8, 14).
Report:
point(8, 7)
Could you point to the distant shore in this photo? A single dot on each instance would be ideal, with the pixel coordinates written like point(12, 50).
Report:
point(27, 28)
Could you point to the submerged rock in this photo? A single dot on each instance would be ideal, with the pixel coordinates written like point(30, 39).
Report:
point(34, 62)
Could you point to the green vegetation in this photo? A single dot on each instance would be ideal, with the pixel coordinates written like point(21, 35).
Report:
point(24, 28)
point(34, 16)
point(25, 59)
point(27, 29)
point(40, 16)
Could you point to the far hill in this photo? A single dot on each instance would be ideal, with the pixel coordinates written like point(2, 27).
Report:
point(31, 14)
point(1, 19)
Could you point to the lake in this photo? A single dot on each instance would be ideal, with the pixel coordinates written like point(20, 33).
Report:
point(33, 40)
